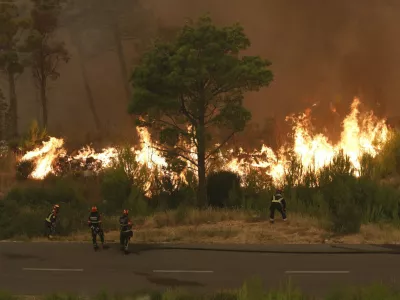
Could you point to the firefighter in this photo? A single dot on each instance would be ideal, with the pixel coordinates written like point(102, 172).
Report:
point(51, 221)
point(94, 222)
point(126, 230)
point(278, 203)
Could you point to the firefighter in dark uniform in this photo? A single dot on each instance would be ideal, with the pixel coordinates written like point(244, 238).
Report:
point(94, 222)
point(278, 203)
point(51, 221)
point(126, 230)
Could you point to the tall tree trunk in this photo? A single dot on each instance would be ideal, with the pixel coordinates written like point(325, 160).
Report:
point(201, 161)
point(3, 117)
point(123, 68)
point(89, 94)
point(121, 59)
point(202, 188)
point(13, 108)
point(43, 99)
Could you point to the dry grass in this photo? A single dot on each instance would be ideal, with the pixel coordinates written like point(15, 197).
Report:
point(238, 227)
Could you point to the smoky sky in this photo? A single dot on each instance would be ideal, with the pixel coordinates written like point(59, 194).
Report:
point(322, 51)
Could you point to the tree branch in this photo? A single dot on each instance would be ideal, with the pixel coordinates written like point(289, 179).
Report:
point(55, 65)
point(220, 145)
point(178, 154)
point(176, 126)
point(186, 112)
point(211, 113)
point(174, 123)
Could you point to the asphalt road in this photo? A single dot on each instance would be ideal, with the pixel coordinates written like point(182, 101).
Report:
point(37, 268)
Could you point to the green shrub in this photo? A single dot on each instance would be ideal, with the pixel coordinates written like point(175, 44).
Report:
point(24, 209)
point(372, 292)
point(345, 214)
point(294, 172)
point(259, 202)
point(387, 162)
point(223, 189)
point(378, 202)
point(177, 294)
point(18, 220)
point(7, 296)
point(115, 188)
point(71, 220)
point(224, 295)
point(62, 297)
point(251, 289)
point(256, 182)
point(171, 194)
point(26, 221)
point(346, 219)
point(34, 136)
point(136, 203)
point(38, 194)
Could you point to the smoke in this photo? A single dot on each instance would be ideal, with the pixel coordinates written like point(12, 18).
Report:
point(321, 51)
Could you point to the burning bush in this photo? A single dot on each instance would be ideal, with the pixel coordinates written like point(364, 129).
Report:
point(362, 134)
point(24, 169)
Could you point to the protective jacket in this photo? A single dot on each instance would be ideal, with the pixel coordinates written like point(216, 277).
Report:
point(125, 224)
point(51, 217)
point(94, 219)
point(278, 198)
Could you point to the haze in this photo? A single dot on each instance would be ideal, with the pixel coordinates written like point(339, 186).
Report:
point(321, 51)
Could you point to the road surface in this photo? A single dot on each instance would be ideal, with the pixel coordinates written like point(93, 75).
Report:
point(38, 268)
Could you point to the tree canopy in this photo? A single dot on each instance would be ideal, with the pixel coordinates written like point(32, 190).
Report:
point(198, 80)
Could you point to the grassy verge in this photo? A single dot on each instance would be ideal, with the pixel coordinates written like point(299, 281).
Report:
point(251, 290)
point(236, 227)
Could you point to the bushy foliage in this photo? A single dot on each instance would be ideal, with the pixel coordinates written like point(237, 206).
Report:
point(115, 188)
point(33, 137)
point(387, 162)
point(123, 178)
point(7, 296)
point(252, 289)
point(40, 194)
point(173, 193)
point(346, 199)
point(224, 190)
point(23, 209)
point(136, 203)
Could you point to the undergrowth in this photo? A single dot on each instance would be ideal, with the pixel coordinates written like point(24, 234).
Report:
point(252, 289)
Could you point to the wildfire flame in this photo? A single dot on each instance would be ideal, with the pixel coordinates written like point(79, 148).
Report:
point(361, 133)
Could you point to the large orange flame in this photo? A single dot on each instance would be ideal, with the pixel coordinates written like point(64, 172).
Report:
point(360, 134)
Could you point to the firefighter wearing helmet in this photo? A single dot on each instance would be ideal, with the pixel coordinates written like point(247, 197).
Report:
point(126, 230)
point(51, 221)
point(94, 222)
point(278, 203)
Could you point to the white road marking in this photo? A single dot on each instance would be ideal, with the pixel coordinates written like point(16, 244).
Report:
point(181, 271)
point(317, 272)
point(53, 270)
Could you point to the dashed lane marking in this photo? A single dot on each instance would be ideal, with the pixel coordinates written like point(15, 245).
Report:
point(181, 271)
point(52, 270)
point(317, 272)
